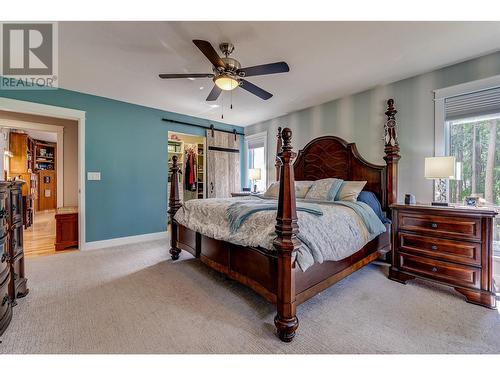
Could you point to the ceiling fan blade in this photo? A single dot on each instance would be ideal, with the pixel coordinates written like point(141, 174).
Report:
point(195, 75)
point(259, 70)
point(256, 90)
point(214, 94)
point(210, 53)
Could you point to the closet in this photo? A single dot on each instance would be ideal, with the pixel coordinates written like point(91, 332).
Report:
point(190, 152)
point(210, 165)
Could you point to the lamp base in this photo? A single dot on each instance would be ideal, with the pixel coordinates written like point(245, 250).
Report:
point(441, 204)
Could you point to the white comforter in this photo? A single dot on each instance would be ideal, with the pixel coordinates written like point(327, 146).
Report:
point(335, 235)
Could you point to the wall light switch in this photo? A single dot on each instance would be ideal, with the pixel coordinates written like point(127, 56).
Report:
point(94, 176)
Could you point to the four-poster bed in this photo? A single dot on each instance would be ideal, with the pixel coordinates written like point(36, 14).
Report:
point(273, 274)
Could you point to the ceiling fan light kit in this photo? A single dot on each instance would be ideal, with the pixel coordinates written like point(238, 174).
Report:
point(227, 72)
point(226, 82)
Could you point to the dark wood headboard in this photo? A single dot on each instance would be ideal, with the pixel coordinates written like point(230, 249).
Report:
point(333, 157)
point(330, 156)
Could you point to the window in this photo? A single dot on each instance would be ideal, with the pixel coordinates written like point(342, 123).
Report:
point(256, 158)
point(472, 131)
point(475, 143)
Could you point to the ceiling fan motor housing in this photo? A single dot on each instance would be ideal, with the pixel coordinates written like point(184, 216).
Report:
point(226, 48)
point(231, 68)
point(231, 64)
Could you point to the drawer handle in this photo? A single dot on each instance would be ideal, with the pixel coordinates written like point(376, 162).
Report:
point(434, 247)
point(434, 225)
point(434, 269)
point(5, 300)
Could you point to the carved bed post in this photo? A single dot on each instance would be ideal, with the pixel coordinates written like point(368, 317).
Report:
point(174, 205)
point(391, 150)
point(286, 244)
point(277, 163)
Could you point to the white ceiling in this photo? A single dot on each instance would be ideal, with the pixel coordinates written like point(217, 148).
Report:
point(42, 136)
point(121, 60)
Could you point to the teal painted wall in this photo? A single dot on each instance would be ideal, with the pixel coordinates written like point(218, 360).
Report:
point(360, 118)
point(128, 144)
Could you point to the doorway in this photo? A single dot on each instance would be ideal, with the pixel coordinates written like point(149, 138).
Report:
point(43, 152)
point(190, 152)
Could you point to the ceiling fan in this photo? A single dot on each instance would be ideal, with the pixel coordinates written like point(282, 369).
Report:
point(228, 73)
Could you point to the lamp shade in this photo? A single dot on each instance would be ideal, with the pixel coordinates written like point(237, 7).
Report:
point(254, 174)
point(225, 82)
point(440, 167)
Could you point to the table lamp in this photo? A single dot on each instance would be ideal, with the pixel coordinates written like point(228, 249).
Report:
point(440, 169)
point(255, 175)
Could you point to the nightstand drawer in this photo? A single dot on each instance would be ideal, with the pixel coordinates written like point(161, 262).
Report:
point(454, 251)
point(442, 271)
point(451, 226)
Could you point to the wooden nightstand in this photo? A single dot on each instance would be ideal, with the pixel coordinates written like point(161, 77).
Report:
point(449, 245)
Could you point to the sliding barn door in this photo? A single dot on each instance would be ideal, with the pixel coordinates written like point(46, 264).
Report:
point(223, 164)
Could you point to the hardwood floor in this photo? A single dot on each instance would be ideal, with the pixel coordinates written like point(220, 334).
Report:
point(40, 237)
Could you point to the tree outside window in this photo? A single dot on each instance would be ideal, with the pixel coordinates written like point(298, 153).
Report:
point(475, 142)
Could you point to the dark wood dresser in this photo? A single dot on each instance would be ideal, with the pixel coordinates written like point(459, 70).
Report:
point(13, 283)
point(449, 245)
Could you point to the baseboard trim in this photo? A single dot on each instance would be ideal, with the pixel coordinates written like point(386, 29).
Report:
point(124, 240)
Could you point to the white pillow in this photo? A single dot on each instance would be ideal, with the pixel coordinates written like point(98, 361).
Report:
point(350, 190)
point(273, 190)
point(321, 189)
point(301, 189)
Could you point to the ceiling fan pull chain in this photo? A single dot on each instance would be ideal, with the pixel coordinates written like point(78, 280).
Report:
point(222, 106)
point(231, 107)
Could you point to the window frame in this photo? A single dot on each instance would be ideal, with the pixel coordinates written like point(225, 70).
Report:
point(261, 136)
point(441, 143)
point(441, 126)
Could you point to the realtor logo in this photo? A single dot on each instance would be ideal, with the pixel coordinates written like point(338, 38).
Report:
point(29, 56)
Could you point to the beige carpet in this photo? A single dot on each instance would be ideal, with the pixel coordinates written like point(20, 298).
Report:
point(134, 299)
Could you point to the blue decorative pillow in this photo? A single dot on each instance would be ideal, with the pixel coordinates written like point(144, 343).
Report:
point(334, 189)
point(371, 200)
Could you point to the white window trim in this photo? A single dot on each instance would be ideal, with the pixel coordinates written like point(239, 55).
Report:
point(261, 135)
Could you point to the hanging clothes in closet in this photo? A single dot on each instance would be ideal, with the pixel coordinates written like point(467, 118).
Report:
point(190, 172)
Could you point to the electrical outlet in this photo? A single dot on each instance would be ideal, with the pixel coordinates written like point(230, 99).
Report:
point(94, 176)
